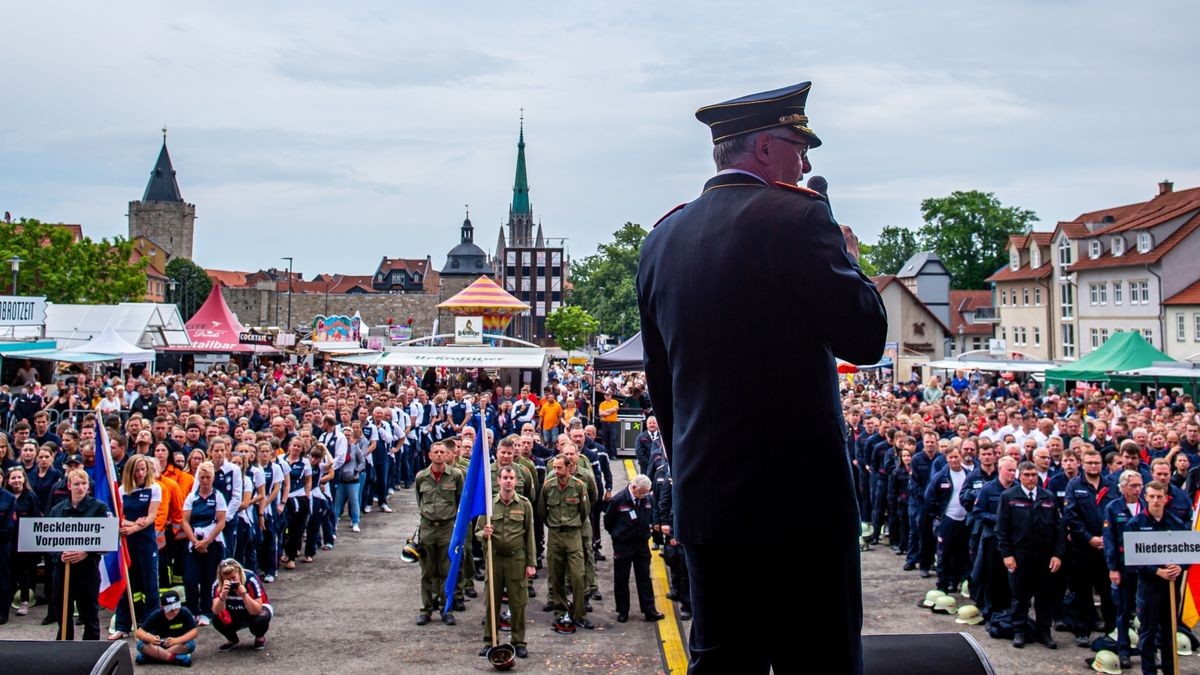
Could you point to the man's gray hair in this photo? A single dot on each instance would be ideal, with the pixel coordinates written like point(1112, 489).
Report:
point(729, 151)
point(641, 481)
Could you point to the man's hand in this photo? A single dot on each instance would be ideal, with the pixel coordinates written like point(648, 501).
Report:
point(1055, 563)
point(529, 572)
point(74, 556)
point(1169, 572)
point(487, 531)
point(1096, 542)
point(1010, 564)
point(851, 241)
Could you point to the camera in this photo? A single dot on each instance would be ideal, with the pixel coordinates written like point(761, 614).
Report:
point(233, 586)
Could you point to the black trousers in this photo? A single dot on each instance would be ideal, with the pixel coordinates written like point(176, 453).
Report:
point(673, 557)
point(1089, 576)
point(1032, 582)
point(723, 641)
point(258, 625)
point(82, 596)
point(953, 563)
point(297, 522)
point(636, 557)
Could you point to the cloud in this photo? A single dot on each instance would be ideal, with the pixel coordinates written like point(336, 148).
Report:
point(401, 67)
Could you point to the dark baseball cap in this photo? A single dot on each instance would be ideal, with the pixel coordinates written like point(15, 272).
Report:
point(170, 601)
point(73, 459)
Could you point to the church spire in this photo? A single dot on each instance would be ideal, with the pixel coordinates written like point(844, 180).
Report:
point(520, 202)
point(162, 186)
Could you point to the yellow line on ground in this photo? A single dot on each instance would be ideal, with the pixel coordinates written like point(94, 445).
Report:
point(669, 635)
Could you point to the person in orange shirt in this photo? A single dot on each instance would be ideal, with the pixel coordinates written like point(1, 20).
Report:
point(172, 540)
point(550, 413)
point(609, 425)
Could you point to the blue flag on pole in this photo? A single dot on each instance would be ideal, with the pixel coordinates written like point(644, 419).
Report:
point(476, 501)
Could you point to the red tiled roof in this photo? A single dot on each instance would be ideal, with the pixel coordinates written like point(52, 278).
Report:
point(228, 278)
point(1188, 296)
point(1162, 208)
point(1132, 257)
point(967, 301)
point(1042, 238)
point(1025, 273)
point(1072, 229)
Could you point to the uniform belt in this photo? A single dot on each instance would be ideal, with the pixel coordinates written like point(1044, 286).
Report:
point(564, 527)
point(435, 522)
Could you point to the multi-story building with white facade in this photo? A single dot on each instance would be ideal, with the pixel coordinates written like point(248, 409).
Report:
point(1183, 324)
point(1115, 267)
point(1023, 290)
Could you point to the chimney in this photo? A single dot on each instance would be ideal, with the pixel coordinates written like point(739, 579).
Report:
point(1165, 187)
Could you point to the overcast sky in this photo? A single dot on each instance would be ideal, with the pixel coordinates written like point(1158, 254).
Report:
point(339, 134)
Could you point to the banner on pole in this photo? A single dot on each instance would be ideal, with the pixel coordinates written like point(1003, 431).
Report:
point(52, 535)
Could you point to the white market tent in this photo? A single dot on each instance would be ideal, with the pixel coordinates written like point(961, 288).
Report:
point(454, 357)
point(142, 324)
point(107, 346)
point(990, 365)
point(343, 347)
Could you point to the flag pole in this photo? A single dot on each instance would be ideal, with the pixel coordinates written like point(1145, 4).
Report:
point(66, 601)
point(133, 618)
point(118, 507)
point(1174, 628)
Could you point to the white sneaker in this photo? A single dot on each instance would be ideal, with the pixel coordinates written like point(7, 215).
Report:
point(391, 491)
point(366, 509)
point(270, 578)
point(355, 529)
point(385, 508)
point(203, 621)
point(327, 547)
point(23, 609)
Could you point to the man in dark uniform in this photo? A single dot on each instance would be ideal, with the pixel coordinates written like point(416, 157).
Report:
point(1031, 541)
point(85, 567)
point(1153, 594)
point(769, 254)
point(627, 519)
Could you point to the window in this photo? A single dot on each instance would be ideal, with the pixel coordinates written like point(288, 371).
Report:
point(1037, 296)
point(1094, 294)
point(1095, 338)
point(1118, 246)
point(1139, 292)
point(1180, 327)
point(977, 343)
point(1104, 293)
point(1145, 242)
point(1118, 286)
point(1148, 333)
point(1014, 259)
point(1068, 340)
point(1037, 336)
point(1025, 297)
point(1065, 254)
point(1068, 301)
point(1103, 335)
point(1094, 249)
point(1003, 333)
point(1196, 328)
point(1035, 257)
point(1003, 298)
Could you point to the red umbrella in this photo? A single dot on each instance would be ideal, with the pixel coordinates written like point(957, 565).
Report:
point(847, 368)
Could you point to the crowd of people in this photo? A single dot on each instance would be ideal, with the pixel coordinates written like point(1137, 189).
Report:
point(229, 479)
point(1019, 496)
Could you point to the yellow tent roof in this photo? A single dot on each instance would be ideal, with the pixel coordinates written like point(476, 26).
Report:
point(484, 296)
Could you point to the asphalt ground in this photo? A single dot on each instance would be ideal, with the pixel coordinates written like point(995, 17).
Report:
point(353, 610)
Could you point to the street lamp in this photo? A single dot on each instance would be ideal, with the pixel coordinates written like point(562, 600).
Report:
point(289, 316)
point(15, 261)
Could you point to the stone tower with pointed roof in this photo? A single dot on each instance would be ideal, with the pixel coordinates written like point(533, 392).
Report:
point(161, 215)
point(529, 265)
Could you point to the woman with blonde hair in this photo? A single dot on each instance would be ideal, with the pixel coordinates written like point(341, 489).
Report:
point(141, 496)
point(240, 601)
point(204, 514)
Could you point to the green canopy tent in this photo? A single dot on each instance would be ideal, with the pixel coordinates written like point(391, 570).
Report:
point(1126, 350)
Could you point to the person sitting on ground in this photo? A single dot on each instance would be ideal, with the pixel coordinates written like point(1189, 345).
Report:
point(240, 601)
point(168, 634)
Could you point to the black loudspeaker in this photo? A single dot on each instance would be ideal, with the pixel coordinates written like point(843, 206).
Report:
point(930, 654)
point(66, 658)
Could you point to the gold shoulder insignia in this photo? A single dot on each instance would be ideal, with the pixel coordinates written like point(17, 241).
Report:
point(668, 214)
point(799, 188)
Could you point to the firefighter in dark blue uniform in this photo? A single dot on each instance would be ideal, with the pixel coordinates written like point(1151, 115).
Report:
point(771, 256)
point(921, 543)
point(1154, 593)
point(989, 579)
point(1086, 499)
point(1117, 515)
point(1031, 542)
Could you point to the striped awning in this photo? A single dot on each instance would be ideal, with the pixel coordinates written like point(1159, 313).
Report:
point(484, 296)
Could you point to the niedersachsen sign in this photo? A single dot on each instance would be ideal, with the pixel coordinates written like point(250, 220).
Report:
point(20, 310)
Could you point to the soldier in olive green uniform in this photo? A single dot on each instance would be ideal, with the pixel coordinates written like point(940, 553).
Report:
point(438, 488)
point(511, 532)
point(583, 471)
point(564, 507)
point(506, 456)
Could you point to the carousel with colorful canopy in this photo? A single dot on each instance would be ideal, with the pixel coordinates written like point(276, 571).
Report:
point(485, 298)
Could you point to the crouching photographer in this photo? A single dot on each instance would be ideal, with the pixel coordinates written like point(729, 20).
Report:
point(240, 601)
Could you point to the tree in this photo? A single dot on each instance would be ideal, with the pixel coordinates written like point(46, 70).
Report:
point(192, 285)
point(970, 231)
point(604, 284)
point(571, 326)
point(893, 248)
point(66, 271)
point(865, 261)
